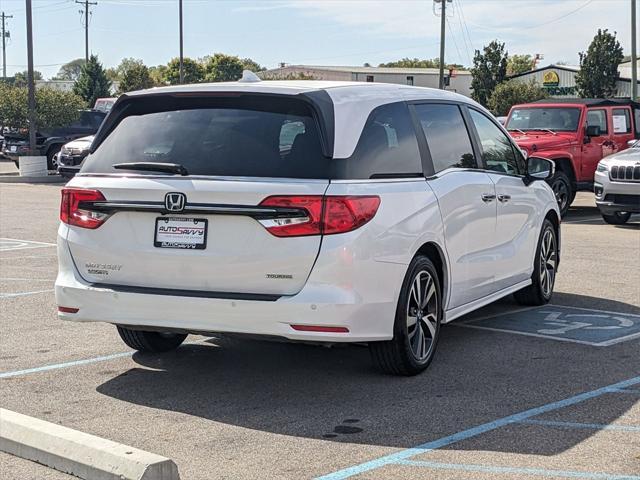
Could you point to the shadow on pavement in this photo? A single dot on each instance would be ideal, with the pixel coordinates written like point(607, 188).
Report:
point(334, 393)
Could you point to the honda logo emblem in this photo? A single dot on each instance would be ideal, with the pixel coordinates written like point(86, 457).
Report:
point(175, 201)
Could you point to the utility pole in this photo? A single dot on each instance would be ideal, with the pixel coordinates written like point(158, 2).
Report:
point(443, 23)
point(634, 57)
point(5, 35)
point(181, 43)
point(31, 83)
point(87, 5)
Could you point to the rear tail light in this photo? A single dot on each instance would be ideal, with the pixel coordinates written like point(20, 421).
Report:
point(75, 208)
point(68, 309)
point(319, 328)
point(325, 215)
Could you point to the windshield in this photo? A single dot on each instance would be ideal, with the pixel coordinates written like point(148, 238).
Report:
point(264, 139)
point(547, 118)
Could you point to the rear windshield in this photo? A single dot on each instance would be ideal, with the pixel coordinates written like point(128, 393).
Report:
point(258, 137)
point(551, 118)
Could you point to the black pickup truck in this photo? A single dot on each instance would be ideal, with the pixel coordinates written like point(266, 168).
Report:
point(49, 142)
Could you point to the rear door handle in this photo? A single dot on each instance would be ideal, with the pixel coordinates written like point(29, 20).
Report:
point(488, 197)
point(504, 198)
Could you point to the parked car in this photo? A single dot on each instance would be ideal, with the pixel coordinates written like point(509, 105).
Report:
point(576, 134)
point(104, 104)
point(393, 209)
point(617, 185)
point(72, 154)
point(49, 142)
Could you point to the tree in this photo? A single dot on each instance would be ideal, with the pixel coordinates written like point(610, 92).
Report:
point(222, 68)
point(418, 63)
point(510, 93)
point(193, 72)
point(157, 74)
point(598, 73)
point(134, 75)
point(92, 82)
point(489, 69)
point(20, 79)
point(519, 64)
point(70, 70)
point(249, 64)
point(54, 108)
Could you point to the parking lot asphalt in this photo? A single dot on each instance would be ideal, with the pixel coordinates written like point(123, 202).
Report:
point(552, 392)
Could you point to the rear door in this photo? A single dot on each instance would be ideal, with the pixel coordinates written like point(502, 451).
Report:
point(237, 155)
point(467, 199)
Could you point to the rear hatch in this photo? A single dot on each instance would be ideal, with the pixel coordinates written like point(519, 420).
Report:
point(208, 229)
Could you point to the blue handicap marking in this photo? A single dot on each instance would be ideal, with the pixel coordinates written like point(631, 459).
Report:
point(571, 324)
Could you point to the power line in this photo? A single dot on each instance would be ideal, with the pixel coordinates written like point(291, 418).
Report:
point(454, 41)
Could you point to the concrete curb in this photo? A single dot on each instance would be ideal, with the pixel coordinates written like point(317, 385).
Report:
point(77, 453)
point(19, 179)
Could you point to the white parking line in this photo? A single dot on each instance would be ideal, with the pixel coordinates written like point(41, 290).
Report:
point(23, 294)
point(9, 244)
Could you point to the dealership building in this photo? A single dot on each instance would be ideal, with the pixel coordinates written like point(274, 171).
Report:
point(458, 80)
point(560, 80)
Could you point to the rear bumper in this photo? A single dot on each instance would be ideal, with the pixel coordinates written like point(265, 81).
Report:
point(368, 313)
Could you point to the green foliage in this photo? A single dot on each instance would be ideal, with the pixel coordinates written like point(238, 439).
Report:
point(92, 82)
point(418, 63)
point(599, 66)
point(489, 70)
point(222, 68)
point(519, 64)
point(20, 78)
point(54, 108)
point(157, 74)
point(248, 64)
point(510, 93)
point(70, 70)
point(134, 75)
point(193, 71)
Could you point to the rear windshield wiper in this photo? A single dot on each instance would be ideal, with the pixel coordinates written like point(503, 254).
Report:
point(153, 167)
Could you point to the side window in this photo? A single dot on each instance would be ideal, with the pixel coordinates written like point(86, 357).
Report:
point(621, 120)
point(387, 146)
point(447, 136)
point(598, 118)
point(498, 152)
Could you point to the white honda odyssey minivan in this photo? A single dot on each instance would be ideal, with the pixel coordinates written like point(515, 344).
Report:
point(311, 211)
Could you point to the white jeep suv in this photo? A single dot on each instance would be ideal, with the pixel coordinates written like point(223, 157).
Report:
point(311, 211)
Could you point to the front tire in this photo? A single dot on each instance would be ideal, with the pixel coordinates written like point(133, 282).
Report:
point(52, 159)
point(417, 323)
point(544, 270)
point(151, 342)
point(618, 218)
point(562, 189)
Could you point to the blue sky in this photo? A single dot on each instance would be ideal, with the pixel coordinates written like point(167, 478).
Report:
point(319, 32)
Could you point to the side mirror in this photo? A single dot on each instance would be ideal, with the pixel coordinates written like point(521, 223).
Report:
point(592, 131)
point(539, 168)
point(633, 143)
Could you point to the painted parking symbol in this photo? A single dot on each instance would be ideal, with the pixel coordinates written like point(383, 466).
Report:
point(8, 244)
point(569, 324)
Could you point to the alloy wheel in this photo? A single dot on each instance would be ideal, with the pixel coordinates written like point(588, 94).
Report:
point(422, 315)
point(561, 191)
point(548, 262)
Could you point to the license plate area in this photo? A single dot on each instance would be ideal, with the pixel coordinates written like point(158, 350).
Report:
point(180, 232)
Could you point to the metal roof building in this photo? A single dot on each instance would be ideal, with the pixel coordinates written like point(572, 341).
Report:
point(560, 80)
point(459, 80)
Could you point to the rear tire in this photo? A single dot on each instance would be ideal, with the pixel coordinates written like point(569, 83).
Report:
point(152, 342)
point(562, 189)
point(417, 323)
point(544, 270)
point(618, 218)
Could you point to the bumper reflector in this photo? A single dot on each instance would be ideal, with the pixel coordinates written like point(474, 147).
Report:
point(68, 309)
point(319, 328)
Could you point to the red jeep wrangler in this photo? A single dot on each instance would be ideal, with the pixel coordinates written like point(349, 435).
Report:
point(576, 134)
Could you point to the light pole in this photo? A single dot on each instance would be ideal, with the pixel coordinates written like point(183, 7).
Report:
point(634, 57)
point(181, 44)
point(31, 83)
point(443, 22)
